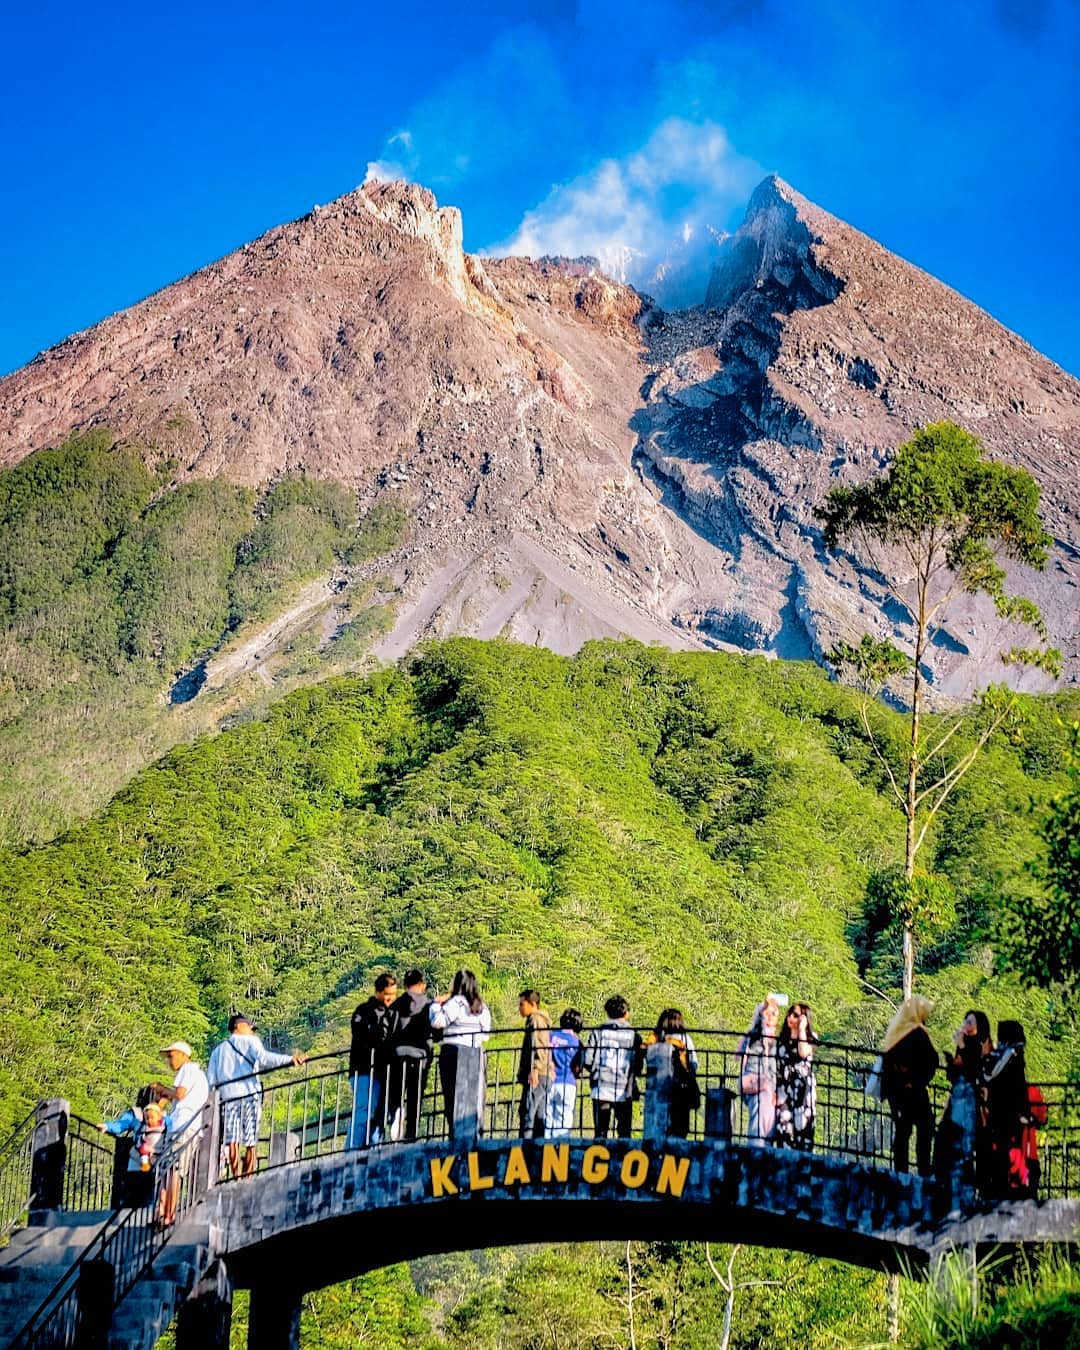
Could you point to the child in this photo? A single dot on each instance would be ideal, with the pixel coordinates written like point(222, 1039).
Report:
point(565, 1041)
point(145, 1122)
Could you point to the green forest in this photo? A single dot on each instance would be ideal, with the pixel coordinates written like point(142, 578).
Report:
point(689, 829)
point(114, 578)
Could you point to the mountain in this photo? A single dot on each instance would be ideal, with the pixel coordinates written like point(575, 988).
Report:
point(577, 462)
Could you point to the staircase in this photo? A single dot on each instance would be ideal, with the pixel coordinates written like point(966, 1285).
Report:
point(40, 1259)
point(36, 1260)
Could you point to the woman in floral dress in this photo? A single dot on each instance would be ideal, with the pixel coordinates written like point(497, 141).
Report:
point(796, 1090)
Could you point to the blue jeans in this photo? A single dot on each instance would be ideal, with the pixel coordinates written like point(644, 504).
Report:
point(365, 1122)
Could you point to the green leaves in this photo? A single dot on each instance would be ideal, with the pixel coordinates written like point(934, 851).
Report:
point(870, 665)
point(1040, 930)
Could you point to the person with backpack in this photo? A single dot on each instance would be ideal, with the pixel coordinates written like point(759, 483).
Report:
point(685, 1092)
point(613, 1058)
point(233, 1071)
point(567, 1060)
point(908, 1064)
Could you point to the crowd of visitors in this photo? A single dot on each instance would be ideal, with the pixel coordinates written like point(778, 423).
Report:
point(394, 1032)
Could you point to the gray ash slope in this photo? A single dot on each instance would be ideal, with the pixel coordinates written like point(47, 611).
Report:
point(577, 462)
point(816, 354)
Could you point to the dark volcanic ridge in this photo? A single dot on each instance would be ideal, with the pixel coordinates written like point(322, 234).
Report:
point(577, 462)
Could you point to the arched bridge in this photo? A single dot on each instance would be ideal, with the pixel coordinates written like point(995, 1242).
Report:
point(336, 1195)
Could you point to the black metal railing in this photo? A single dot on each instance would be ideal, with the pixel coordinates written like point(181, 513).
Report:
point(17, 1175)
point(319, 1108)
point(88, 1168)
point(82, 1302)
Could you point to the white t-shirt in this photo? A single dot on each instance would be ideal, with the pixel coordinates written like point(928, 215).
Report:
point(188, 1076)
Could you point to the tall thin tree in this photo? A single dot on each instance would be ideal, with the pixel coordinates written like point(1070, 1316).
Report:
point(938, 524)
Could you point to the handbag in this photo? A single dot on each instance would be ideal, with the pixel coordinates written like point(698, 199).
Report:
point(749, 1084)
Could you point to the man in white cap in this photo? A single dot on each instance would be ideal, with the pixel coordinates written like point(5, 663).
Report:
point(189, 1092)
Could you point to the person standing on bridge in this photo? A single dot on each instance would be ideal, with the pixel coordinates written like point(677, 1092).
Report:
point(233, 1070)
point(412, 1055)
point(465, 1021)
point(963, 1152)
point(536, 1068)
point(374, 1026)
point(757, 1071)
point(567, 1056)
point(685, 1092)
point(908, 1064)
point(796, 1087)
point(613, 1060)
point(189, 1094)
point(1009, 1113)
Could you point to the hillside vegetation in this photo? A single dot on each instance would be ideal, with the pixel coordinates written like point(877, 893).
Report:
point(682, 827)
point(113, 579)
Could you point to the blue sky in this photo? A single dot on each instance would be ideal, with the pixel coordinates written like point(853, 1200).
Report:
point(142, 142)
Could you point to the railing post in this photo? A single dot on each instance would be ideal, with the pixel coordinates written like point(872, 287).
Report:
point(205, 1318)
point(207, 1163)
point(468, 1069)
point(51, 1120)
point(659, 1081)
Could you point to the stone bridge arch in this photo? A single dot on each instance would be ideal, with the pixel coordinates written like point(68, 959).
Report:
point(322, 1221)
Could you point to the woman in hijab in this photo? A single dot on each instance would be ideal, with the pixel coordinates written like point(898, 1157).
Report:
point(757, 1072)
point(968, 1106)
point(1008, 1112)
point(908, 1064)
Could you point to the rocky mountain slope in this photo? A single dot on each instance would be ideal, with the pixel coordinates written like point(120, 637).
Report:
point(576, 462)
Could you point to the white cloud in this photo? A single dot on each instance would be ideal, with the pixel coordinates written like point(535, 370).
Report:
point(398, 159)
point(652, 217)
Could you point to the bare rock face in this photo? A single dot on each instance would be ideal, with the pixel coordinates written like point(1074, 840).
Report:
point(577, 462)
point(818, 352)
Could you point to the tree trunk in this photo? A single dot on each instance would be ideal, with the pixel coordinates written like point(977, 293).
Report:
point(911, 795)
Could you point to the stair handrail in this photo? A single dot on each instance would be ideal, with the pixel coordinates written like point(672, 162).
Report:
point(125, 1246)
point(16, 1174)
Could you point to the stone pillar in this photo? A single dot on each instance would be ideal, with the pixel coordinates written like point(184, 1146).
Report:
point(50, 1154)
point(274, 1319)
point(207, 1169)
point(96, 1295)
point(718, 1102)
point(284, 1147)
point(205, 1319)
point(960, 1180)
point(659, 1081)
point(469, 1090)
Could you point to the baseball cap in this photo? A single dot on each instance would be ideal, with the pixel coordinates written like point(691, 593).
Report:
point(181, 1046)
